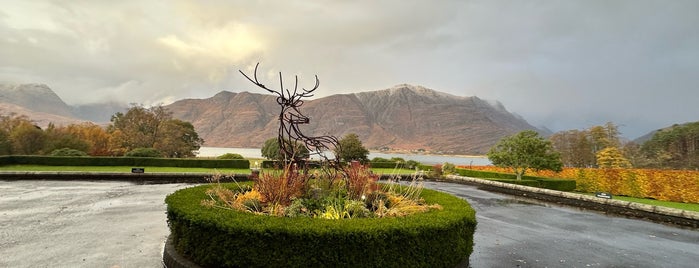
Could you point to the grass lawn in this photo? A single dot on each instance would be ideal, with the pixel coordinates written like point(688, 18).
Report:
point(127, 169)
point(124, 169)
point(677, 205)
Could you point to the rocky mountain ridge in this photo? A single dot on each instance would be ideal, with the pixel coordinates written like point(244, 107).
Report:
point(404, 117)
point(42, 104)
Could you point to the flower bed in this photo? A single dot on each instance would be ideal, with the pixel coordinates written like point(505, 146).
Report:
point(215, 237)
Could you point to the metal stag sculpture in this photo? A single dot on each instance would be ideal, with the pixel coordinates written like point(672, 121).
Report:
point(289, 120)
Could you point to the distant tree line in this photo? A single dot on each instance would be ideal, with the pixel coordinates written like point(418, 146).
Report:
point(675, 147)
point(139, 130)
point(600, 146)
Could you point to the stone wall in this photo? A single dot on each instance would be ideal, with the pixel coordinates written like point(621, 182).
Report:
point(617, 207)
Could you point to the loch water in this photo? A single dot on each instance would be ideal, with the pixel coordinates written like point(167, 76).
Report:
point(427, 159)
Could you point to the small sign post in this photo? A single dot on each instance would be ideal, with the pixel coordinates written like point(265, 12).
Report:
point(137, 170)
point(603, 195)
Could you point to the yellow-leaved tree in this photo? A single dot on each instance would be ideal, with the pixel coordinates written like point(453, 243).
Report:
point(611, 157)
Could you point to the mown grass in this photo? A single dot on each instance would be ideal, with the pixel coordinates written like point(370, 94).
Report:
point(653, 202)
point(127, 169)
point(118, 169)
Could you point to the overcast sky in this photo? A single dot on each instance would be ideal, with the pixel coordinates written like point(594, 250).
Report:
point(559, 64)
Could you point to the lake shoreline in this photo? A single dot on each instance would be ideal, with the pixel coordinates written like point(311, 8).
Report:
point(423, 158)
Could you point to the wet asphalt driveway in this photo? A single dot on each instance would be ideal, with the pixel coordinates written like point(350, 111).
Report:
point(119, 224)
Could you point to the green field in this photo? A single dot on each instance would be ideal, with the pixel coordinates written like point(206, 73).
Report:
point(127, 169)
point(653, 202)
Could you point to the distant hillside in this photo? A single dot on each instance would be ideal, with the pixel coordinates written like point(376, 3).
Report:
point(35, 97)
point(41, 119)
point(649, 135)
point(43, 105)
point(404, 117)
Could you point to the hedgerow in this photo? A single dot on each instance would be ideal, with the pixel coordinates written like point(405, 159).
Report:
point(215, 237)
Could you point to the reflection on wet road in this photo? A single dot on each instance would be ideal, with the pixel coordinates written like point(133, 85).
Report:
point(517, 232)
point(118, 224)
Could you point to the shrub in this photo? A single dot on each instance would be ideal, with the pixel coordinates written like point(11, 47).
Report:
point(144, 152)
point(68, 152)
point(412, 164)
point(379, 159)
point(448, 168)
point(533, 181)
point(122, 161)
point(228, 156)
point(360, 180)
point(436, 171)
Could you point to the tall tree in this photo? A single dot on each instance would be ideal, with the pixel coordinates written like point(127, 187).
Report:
point(272, 151)
point(525, 150)
point(611, 157)
point(179, 139)
point(579, 148)
point(27, 139)
point(674, 147)
point(352, 149)
point(61, 137)
point(152, 127)
point(574, 147)
point(95, 136)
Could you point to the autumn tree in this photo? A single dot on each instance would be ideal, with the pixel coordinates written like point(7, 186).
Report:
point(574, 147)
point(154, 128)
point(579, 148)
point(61, 138)
point(611, 157)
point(27, 139)
point(5, 143)
point(94, 135)
point(525, 150)
point(179, 139)
point(8, 124)
point(351, 149)
point(139, 126)
point(604, 136)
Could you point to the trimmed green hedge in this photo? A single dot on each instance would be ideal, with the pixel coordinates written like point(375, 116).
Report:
point(389, 164)
point(214, 237)
point(121, 161)
point(547, 183)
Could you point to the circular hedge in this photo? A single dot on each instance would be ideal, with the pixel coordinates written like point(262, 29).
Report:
point(215, 237)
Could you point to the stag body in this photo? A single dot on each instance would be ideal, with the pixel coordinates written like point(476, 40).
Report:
point(290, 118)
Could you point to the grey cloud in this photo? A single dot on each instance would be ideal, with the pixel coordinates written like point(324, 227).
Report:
point(563, 64)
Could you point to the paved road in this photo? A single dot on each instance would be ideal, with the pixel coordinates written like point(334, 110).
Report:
point(516, 232)
point(82, 224)
point(118, 224)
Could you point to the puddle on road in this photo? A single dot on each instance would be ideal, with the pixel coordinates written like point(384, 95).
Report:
point(501, 202)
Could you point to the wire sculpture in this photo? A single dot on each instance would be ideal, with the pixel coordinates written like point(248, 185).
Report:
point(290, 118)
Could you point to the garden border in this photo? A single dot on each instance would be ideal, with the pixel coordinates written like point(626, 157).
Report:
point(446, 232)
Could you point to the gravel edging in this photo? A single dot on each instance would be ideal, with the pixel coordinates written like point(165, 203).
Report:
point(659, 214)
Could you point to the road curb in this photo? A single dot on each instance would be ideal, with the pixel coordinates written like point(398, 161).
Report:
point(659, 214)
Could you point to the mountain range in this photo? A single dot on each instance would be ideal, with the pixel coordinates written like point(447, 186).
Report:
point(403, 118)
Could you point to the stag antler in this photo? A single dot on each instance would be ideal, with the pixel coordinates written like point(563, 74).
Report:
point(289, 98)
